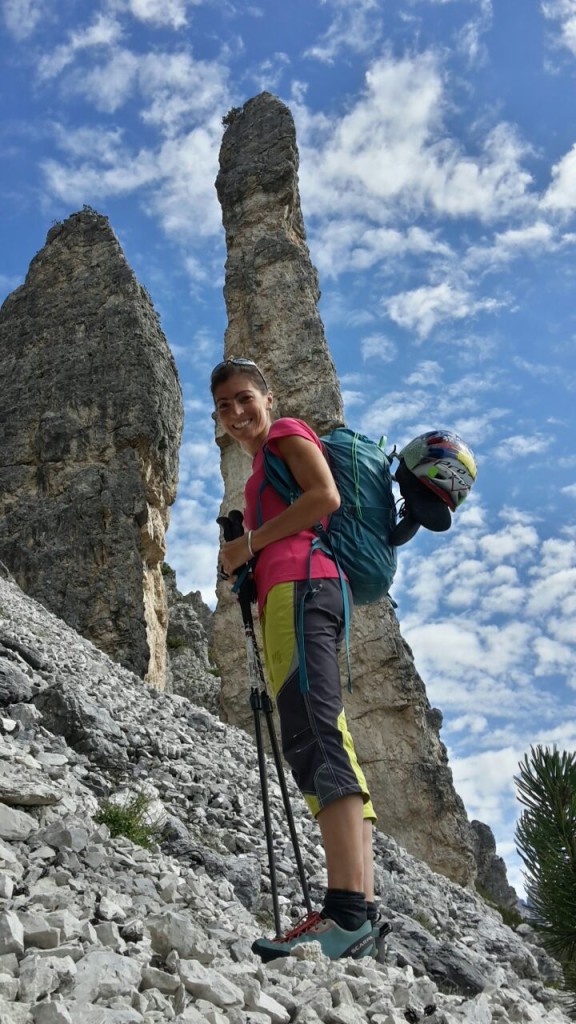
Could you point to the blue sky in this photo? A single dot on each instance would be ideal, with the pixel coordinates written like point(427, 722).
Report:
point(438, 184)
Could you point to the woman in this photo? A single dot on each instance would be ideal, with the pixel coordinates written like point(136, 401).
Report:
point(315, 738)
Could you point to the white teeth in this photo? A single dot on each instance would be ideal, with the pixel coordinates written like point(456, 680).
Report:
point(239, 426)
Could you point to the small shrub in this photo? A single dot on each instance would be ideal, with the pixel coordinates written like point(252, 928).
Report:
point(129, 820)
point(422, 919)
point(174, 642)
point(231, 116)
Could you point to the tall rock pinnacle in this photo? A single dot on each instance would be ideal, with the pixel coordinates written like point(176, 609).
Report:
point(90, 422)
point(271, 294)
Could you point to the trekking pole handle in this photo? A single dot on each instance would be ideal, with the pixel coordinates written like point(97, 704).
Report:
point(232, 524)
point(233, 528)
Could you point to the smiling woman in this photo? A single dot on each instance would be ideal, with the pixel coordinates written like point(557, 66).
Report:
point(291, 588)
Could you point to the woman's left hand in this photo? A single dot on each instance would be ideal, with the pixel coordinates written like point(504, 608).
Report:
point(234, 554)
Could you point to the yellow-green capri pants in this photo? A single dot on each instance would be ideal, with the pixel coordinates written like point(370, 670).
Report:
point(315, 738)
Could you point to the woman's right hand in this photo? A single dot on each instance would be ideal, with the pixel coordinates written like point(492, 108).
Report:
point(234, 554)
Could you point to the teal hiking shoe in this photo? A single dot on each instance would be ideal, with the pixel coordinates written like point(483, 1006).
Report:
point(336, 942)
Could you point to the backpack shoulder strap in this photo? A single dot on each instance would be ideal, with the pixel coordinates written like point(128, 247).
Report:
point(279, 476)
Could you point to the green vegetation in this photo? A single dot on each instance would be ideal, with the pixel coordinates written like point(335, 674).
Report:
point(426, 922)
point(231, 116)
point(510, 915)
point(176, 641)
point(546, 842)
point(167, 570)
point(130, 820)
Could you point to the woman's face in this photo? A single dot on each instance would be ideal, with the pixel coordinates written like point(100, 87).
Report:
point(243, 411)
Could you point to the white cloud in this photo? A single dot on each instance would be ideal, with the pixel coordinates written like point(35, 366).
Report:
point(485, 781)
point(470, 36)
point(193, 536)
point(160, 12)
point(515, 540)
point(558, 554)
point(351, 399)
point(347, 244)
point(386, 413)
point(378, 346)
point(570, 490)
point(426, 374)
point(517, 446)
point(114, 171)
point(475, 724)
point(174, 89)
point(180, 89)
point(561, 193)
point(550, 593)
point(454, 653)
point(356, 26)
point(533, 239)
point(186, 203)
point(176, 179)
point(391, 154)
point(109, 85)
point(269, 73)
point(552, 656)
point(104, 32)
point(563, 12)
point(22, 16)
point(422, 309)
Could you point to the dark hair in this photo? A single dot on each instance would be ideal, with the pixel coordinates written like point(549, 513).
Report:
point(233, 367)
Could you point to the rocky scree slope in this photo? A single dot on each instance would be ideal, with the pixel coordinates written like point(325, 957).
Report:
point(95, 930)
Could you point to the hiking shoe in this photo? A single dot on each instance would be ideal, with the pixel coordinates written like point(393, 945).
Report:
point(336, 942)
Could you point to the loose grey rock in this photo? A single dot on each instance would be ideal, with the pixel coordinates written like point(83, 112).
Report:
point(40, 976)
point(208, 984)
point(15, 686)
point(11, 933)
point(24, 787)
point(104, 975)
point(15, 824)
point(51, 1013)
point(97, 929)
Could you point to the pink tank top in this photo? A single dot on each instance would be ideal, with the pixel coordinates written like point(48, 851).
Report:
point(286, 560)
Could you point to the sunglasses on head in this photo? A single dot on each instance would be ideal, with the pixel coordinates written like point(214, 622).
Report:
point(240, 362)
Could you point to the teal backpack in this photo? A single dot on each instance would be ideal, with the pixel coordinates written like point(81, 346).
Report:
point(358, 533)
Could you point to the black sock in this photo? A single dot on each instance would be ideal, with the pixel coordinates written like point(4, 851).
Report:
point(347, 909)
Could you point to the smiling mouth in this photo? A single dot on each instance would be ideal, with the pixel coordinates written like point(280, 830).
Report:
point(240, 426)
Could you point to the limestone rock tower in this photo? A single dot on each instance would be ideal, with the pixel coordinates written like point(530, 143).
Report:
point(271, 293)
point(90, 424)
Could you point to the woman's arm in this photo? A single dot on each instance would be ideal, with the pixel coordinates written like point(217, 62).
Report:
point(320, 497)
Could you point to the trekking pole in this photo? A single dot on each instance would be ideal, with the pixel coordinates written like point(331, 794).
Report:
point(268, 707)
point(232, 528)
point(260, 702)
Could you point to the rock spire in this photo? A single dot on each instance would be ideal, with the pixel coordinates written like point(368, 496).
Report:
point(271, 292)
point(91, 420)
